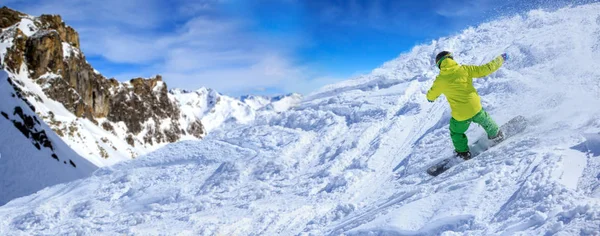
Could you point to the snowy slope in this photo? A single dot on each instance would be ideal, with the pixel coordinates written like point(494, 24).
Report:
point(351, 158)
point(24, 168)
point(89, 140)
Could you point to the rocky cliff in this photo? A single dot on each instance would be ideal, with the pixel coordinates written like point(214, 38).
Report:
point(43, 57)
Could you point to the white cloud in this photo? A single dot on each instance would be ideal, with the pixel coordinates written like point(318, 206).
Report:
point(205, 52)
point(186, 42)
point(268, 71)
point(134, 13)
point(453, 8)
point(218, 53)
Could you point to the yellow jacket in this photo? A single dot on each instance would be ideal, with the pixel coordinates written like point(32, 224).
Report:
point(456, 82)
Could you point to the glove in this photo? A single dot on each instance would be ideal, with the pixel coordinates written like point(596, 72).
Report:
point(505, 56)
point(429, 100)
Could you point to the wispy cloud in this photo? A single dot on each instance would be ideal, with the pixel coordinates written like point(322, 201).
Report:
point(134, 13)
point(189, 43)
point(244, 46)
point(460, 8)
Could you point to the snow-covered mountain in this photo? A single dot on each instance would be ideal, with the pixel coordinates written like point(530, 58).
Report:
point(103, 120)
point(351, 158)
point(214, 109)
point(278, 103)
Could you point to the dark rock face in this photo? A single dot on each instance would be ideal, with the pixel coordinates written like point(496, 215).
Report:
point(196, 129)
point(137, 103)
point(146, 100)
point(15, 55)
point(9, 17)
point(79, 88)
point(82, 90)
point(66, 33)
point(43, 52)
point(107, 126)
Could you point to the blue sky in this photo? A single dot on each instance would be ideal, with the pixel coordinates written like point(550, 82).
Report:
point(260, 46)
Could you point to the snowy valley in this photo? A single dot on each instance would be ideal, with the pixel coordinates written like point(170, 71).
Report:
point(350, 158)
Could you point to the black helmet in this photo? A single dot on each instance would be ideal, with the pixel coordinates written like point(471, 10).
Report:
point(441, 56)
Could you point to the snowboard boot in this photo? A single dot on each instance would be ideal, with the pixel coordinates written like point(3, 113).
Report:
point(499, 137)
point(464, 155)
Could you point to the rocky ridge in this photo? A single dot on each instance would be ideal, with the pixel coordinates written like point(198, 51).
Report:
point(140, 112)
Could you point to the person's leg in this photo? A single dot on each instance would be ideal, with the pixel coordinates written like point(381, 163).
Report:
point(457, 133)
point(489, 125)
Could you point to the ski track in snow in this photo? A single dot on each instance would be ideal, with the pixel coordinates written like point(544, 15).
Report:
point(351, 158)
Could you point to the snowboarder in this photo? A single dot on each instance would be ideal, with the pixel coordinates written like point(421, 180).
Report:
point(456, 82)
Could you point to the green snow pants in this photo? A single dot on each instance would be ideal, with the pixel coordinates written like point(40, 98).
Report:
point(458, 129)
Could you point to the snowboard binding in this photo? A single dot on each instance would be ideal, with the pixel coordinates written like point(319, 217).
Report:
point(464, 155)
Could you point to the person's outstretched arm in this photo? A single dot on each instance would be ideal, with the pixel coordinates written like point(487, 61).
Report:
point(486, 69)
point(434, 92)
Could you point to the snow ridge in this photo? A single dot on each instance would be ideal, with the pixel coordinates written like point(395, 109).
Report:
point(215, 109)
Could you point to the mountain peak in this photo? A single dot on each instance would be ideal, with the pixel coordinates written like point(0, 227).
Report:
point(138, 113)
point(9, 17)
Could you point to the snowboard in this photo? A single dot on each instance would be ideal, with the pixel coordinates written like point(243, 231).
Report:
point(511, 128)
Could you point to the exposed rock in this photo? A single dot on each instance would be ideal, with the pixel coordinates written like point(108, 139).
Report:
point(129, 140)
point(66, 33)
point(15, 55)
point(103, 152)
point(62, 92)
point(22, 128)
point(20, 93)
point(31, 129)
point(173, 133)
point(44, 53)
point(88, 94)
point(143, 100)
point(107, 126)
point(54, 61)
point(148, 138)
point(196, 129)
point(9, 17)
point(91, 87)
